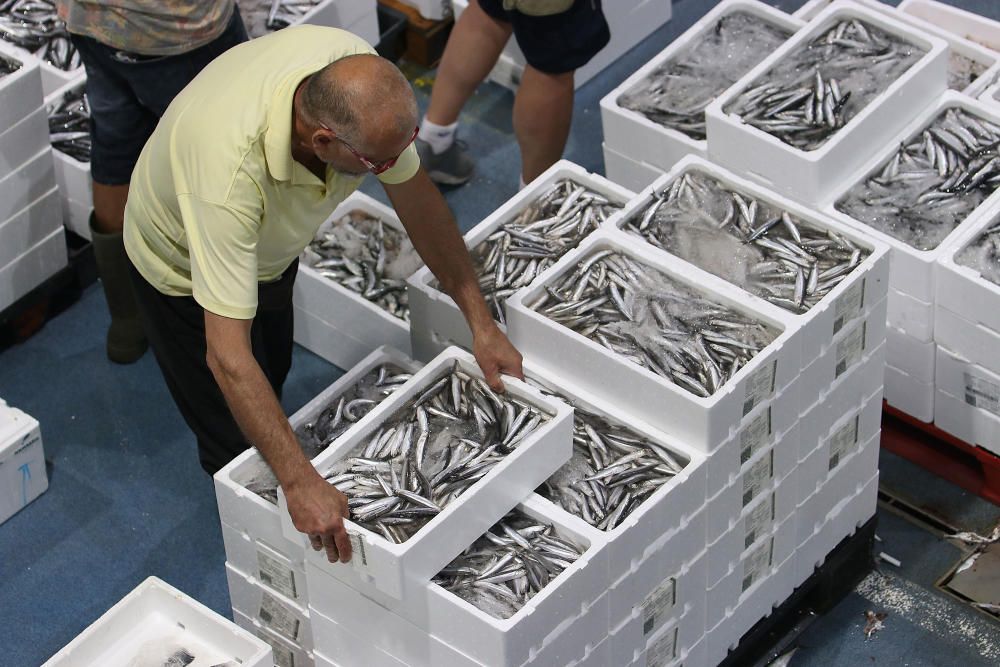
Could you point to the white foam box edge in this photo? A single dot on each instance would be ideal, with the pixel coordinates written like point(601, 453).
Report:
point(324, 340)
point(339, 13)
point(154, 602)
point(276, 570)
point(286, 653)
point(631, 134)
point(693, 656)
point(972, 341)
point(33, 267)
point(76, 217)
point(29, 227)
point(392, 567)
point(72, 175)
point(434, 312)
point(978, 386)
point(627, 172)
point(904, 393)
point(27, 183)
point(756, 603)
point(21, 142)
point(272, 610)
point(908, 354)
point(759, 432)
point(910, 315)
point(21, 91)
point(22, 461)
point(962, 289)
point(966, 422)
point(965, 24)
point(704, 423)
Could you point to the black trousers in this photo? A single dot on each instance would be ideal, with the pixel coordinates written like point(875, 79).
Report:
point(175, 327)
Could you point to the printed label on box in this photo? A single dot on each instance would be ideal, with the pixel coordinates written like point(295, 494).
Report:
point(658, 604)
point(759, 386)
point(359, 559)
point(283, 656)
point(981, 393)
point(757, 477)
point(272, 572)
point(758, 521)
point(755, 436)
point(275, 615)
point(756, 562)
point(843, 442)
point(850, 349)
point(849, 305)
point(663, 650)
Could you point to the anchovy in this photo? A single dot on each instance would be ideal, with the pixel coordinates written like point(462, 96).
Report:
point(34, 26)
point(69, 124)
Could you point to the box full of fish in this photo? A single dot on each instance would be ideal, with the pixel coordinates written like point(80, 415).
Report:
point(805, 119)
point(32, 180)
point(657, 115)
point(281, 615)
point(69, 132)
point(971, 26)
point(685, 350)
point(352, 278)
point(434, 464)
point(22, 460)
point(33, 27)
point(20, 86)
point(158, 624)
point(512, 247)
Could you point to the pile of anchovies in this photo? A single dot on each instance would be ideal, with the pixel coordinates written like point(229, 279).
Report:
point(430, 452)
point(69, 125)
point(676, 93)
point(983, 254)
point(804, 99)
point(654, 321)
point(613, 469)
point(357, 251)
point(511, 563)
point(263, 16)
point(34, 25)
point(932, 183)
point(751, 243)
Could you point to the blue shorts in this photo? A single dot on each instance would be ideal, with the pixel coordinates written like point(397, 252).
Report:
point(129, 92)
point(559, 43)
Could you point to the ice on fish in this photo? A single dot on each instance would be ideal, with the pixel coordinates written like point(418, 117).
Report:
point(983, 254)
point(34, 26)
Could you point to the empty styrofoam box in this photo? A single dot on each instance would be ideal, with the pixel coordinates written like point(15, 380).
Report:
point(434, 312)
point(27, 184)
point(286, 653)
point(390, 567)
point(627, 172)
point(978, 387)
point(911, 316)
point(281, 572)
point(21, 142)
point(703, 423)
point(908, 354)
point(962, 289)
point(632, 135)
point(960, 417)
point(22, 461)
point(759, 432)
point(434, 10)
point(33, 267)
point(152, 622)
point(864, 381)
point(972, 341)
point(908, 395)
point(865, 286)
point(20, 90)
point(960, 22)
point(272, 610)
point(345, 310)
point(29, 226)
point(76, 217)
point(811, 176)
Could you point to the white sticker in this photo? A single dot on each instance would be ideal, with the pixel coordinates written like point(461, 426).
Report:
point(759, 386)
point(757, 477)
point(843, 442)
point(981, 393)
point(272, 572)
point(755, 435)
point(663, 649)
point(283, 656)
point(756, 562)
point(657, 604)
point(275, 615)
point(849, 305)
point(850, 349)
point(758, 521)
point(359, 559)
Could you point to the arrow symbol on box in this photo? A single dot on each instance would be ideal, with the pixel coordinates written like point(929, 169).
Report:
point(25, 478)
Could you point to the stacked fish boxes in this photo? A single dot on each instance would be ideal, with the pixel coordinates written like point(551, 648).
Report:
point(32, 243)
point(22, 461)
point(72, 170)
point(45, 35)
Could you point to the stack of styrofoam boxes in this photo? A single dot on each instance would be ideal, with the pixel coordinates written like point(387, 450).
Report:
point(638, 150)
point(630, 22)
point(335, 322)
point(72, 176)
point(967, 333)
point(266, 570)
point(32, 243)
point(910, 354)
point(53, 78)
point(22, 461)
point(154, 622)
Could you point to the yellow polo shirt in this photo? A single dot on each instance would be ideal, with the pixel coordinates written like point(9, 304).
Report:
point(216, 203)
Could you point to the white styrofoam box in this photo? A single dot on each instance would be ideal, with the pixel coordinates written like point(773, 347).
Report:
point(628, 172)
point(704, 423)
point(159, 615)
point(366, 27)
point(433, 311)
point(392, 567)
point(991, 95)
point(908, 354)
point(282, 573)
point(431, 9)
point(76, 217)
point(22, 461)
point(979, 388)
point(967, 422)
point(693, 656)
point(813, 7)
point(27, 184)
point(810, 176)
point(634, 641)
point(21, 142)
point(642, 140)
point(21, 90)
point(271, 610)
point(33, 267)
point(961, 289)
point(969, 340)
point(326, 341)
point(72, 175)
point(340, 13)
point(760, 432)
point(911, 316)
point(853, 298)
point(286, 653)
point(906, 394)
point(913, 271)
point(29, 226)
point(963, 23)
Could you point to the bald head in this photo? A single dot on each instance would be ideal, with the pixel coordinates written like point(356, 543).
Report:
point(364, 98)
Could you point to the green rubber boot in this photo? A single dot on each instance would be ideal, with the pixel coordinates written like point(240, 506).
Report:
point(126, 341)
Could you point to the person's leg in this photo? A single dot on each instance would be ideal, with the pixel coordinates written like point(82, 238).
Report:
point(543, 112)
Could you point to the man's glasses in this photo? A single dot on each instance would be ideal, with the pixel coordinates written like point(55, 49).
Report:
point(373, 166)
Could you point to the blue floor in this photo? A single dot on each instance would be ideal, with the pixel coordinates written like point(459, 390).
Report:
point(127, 498)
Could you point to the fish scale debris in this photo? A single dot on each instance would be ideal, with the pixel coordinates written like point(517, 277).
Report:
point(749, 242)
point(654, 321)
point(983, 254)
point(932, 183)
point(35, 26)
point(69, 125)
point(263, 16)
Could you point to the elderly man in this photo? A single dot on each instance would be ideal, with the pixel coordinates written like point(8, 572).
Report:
point(245, 165)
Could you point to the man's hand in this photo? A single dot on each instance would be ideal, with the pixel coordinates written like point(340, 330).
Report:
point(318, 509)
point(495, 354)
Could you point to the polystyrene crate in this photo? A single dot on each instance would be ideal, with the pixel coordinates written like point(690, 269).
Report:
point(19, 143)
point(760, 432)
point(911, 316)
point(32, 267)
point(340, 13)
point(156, 616)
point(76, 217)
point(810, 176)
point(286, 653)
point(865, 286)
point(906, 394)
point(979, 388)
point(964, 23)
point(910, 355)
point(961, 289)
point(366, 27)
point(29, 226)
point(967, 422)
point(436, 321)
point(628, 172)
point(391, 567)
point(694, 656)
point(72, 175)
point(26, 184)
point(972, 341)
point(704, 423)
point(990, 95)
point(274, 611)
point(277, 570)
point(635, 137)
point(434, 10)
point(21, 91)
point(22, 461)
